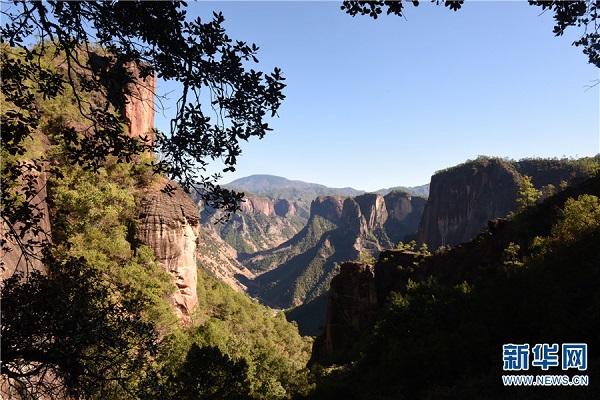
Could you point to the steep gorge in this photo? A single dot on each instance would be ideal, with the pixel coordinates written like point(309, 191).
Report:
point(421, 325)
point(339, 229)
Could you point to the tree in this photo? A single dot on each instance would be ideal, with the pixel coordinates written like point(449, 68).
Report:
point(71, 334)
point(207, 373)
point(527, 194)
point(581, 14)
point(77, 330)
point(158, 40)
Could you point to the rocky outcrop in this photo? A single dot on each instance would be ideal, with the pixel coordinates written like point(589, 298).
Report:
point(262, 223)
point(352, 308)
point(339, 229)
point(169, 224)
point(373, 209)
point(20, 236)
point(404, 215)
point(139, 103)
point(464, 198)
point(284, 208)
point(257, 204)
point(355, 297)
point(328, 207)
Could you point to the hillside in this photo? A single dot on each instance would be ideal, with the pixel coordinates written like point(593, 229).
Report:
point(339, 229)
point(262, 223)
point(115, 305)
point(465, 197)
point(421, 191)
point(282, 188)
point(430, 326)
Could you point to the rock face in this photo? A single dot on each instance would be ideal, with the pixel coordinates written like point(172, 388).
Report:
point(355, 297)
point(404, 215)
point(464, 198)
point(169, 224)
point(262, 223)
point(339, 229)
point(352, 308)
point(284, 208)
point(12, 258)
point(139, 104)
point(258, 204)
point(328, 207)
point(373, 209)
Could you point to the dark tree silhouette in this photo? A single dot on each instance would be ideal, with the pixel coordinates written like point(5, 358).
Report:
point(221, 101)
point(68, 332)
point(68, 335)
point(580, 14)
point(207, 373)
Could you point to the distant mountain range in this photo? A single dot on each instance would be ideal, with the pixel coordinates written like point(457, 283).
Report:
point(285, 244)
point(282, 188)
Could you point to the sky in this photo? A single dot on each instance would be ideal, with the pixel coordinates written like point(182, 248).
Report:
point(373, 104)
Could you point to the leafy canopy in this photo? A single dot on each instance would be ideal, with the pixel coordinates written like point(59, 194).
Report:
point(104, 50)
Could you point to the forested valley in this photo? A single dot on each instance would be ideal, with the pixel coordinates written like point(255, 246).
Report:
point(126, 273)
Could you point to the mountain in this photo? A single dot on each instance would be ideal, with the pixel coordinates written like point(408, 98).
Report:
point(421, 191)
point(442, 319)
point(278, 188)
point(465, 197)
point(339, 229)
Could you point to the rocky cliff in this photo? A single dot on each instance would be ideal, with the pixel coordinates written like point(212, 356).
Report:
point(360, 291)
point(351, 308)
point(139, 103)
point(339, 229)
point(169, 224)
point(464, 198)
point(262, 223)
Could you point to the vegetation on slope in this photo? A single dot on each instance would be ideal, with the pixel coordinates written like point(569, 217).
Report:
point(440, 338)
point(98, 324)
point(300, 269)
point(243, 329)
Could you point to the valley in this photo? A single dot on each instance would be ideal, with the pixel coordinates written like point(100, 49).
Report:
point(289, 261)
point(128, 272)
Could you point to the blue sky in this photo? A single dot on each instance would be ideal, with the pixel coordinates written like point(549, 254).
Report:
point(380, 103)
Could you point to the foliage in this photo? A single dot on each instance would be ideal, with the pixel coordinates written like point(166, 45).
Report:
point(209, 374)
point(436, 339)
point(410, 246)
point(527, 194)
point(263, 349)
point(580, 14)
point(73, 333)
point(96, 48)
point(375, 8)
point(366, 258)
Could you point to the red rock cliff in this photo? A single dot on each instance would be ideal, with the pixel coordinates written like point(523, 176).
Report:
point(169, 224)
point(139, 104)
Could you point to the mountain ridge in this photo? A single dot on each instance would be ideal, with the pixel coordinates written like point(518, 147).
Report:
point(272, 185)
